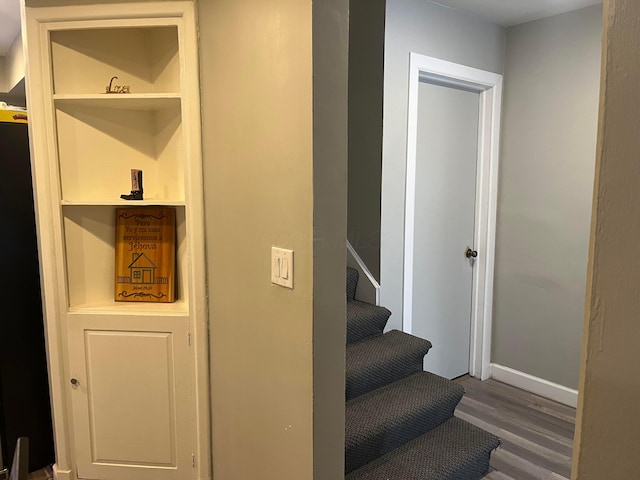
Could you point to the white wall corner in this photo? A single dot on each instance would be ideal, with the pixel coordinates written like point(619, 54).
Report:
point(14, 64)
point(535, 385)
point(3, 75)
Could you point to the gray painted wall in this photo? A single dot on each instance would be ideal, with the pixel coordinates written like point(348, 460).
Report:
point(330, 23)
point(547, 166)
point(366, 71)
point(428, 29)
point(276, 355)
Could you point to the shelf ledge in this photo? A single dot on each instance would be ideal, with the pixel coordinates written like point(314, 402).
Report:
point(128, 101)
point(123, 203)
point(178, 308)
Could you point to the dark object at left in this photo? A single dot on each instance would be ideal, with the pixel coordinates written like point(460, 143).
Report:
point(25, 408)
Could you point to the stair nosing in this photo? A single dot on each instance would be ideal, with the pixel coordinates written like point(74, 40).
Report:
point(383, 360)
point(488, 445)
point(368, 436)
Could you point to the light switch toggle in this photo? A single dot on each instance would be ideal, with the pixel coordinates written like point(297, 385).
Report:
point(282, 267)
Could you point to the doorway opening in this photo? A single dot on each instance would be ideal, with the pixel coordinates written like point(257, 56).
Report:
point(487, 87)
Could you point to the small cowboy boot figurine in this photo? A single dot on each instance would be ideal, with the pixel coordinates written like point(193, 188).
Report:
point(136, 186)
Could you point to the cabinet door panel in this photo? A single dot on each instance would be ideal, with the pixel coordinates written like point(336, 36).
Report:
point(131, 402)
point(131, 408)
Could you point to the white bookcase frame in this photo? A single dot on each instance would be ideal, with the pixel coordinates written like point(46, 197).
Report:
point(51, 203)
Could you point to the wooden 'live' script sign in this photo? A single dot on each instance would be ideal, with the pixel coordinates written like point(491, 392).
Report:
point(145, 254)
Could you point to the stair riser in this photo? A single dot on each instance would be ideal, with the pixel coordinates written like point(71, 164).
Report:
point(393, 437)
point(382, 377)
point(474, 471)
point(352, 282)
point(354, 337)
point(365, 321)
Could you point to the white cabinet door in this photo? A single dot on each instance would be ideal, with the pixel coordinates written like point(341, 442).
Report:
point(132, 397)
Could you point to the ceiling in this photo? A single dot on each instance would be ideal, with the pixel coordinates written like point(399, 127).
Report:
point(514, 12)
point(9, 23)
point(502, 12)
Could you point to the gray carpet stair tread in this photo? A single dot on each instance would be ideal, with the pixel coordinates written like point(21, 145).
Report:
point(365, 320)
point(382, 360)
point(456, 450)
point(352, 282)
point(384, 419)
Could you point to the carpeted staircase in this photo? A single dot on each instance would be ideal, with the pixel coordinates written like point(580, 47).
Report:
point(399, 419)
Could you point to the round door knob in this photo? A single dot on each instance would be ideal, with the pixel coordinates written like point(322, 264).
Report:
point(75, 382)
point(470, 253)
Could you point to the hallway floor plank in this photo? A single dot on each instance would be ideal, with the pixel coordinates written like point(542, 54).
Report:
point(536, 433)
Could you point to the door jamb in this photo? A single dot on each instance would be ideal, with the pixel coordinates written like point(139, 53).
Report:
point(489, 86)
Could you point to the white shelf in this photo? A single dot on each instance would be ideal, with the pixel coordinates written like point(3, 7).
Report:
point(118, 202)
point(178, 308)
point(120, 101)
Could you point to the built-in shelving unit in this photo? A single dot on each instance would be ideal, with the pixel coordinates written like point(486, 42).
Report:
point(118, 361)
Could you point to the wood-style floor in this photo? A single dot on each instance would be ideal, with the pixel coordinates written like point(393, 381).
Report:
point(44, 474)
point(536, 433)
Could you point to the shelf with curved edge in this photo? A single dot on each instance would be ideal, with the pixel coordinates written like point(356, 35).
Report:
point(120, 101)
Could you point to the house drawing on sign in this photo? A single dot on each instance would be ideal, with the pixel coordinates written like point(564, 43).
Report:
point(142, 269)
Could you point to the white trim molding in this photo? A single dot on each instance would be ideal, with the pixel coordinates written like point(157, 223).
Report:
point(62, 474)
point(538, 386)
point(489, 87)
point(369, 292)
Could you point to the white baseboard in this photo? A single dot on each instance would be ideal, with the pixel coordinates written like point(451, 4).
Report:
point(538, 386)
point(62, 474)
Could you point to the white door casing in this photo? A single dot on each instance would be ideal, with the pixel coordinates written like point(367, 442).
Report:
point(489, 86)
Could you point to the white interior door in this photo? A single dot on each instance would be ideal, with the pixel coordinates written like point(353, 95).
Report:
point(446, 162)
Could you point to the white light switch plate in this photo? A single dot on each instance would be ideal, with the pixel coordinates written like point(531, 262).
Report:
point(282, 267)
